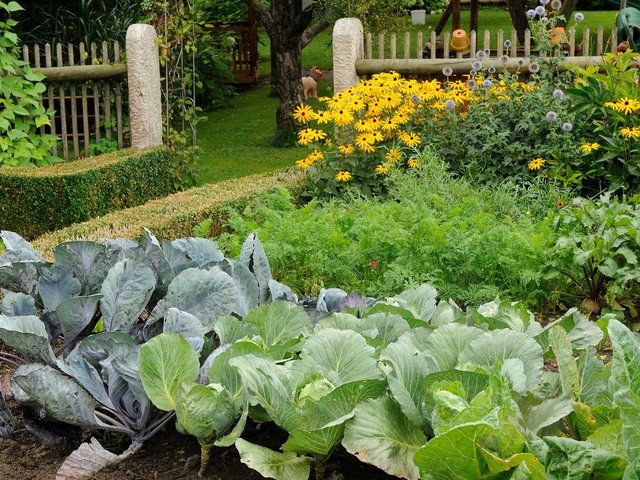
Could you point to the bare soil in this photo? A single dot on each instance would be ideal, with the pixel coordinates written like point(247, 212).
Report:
point(167, 456)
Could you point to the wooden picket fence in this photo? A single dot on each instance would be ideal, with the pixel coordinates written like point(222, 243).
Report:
point(420, 46)
point(87, 90)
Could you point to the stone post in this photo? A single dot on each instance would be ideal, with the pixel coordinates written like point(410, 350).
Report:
point(145, 98)
point(348, 46)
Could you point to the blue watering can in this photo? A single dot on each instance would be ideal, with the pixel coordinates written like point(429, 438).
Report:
point(628, 23)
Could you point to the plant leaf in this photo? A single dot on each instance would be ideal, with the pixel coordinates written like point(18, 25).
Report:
point(7, 422)
point(57, 284)
point(28, 335)
point(491, 348)
point(567, 364)
point(420, 301)
point(253, 256)
point(270, 464)
point(75, 314)
point(125, 293)
point(381, 435)
point(89, 261)
point(17, 249)
point(165, 362)
point(184, 324)
point(204, 411)
point(205, 294)
point(17, 304)
point(447, 342)
point(58, 394)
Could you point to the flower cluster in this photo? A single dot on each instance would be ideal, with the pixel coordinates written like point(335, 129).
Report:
point(359, 135)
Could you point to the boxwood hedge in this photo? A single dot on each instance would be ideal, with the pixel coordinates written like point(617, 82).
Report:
point(38, 200)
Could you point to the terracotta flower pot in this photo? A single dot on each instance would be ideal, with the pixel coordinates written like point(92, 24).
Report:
point(459, 40)
point(558, 35)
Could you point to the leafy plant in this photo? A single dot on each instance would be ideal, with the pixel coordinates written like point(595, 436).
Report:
point(22, 113)
point(597, 250)
point(609, 149)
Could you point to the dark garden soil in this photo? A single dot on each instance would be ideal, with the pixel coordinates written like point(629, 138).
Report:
point(167, 456)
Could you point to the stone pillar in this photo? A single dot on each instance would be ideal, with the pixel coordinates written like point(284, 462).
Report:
point(348, 46)
point(145, 97)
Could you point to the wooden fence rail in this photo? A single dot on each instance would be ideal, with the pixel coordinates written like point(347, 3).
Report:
point(86, 88)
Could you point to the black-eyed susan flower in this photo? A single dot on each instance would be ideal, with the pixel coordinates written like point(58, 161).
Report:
point(589, 147)
point(343, 176)
point(411, 139)
point(624, 105)
point(413, 163)
point(342, 117)
point(536, 163)
point(303, 164)
point(303, 113)
point(347, 149)
point(393, 156)
point(382, 169)
point(633, 132)
point(322, 117)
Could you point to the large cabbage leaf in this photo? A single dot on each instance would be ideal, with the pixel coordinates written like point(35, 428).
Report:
point(380, 434)
point(75, 314)
point(498, 346)
point(253, 256)
point(57, 284)
point(165, 362)
point(447, 342)
point(126, 290)
point(58, 394)
point(271, 464)
point(624, 384)
point(28, 335)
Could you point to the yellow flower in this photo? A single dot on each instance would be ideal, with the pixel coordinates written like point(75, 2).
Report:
point(303, 113)
point(303, 164)
point(322, 117)
point(382, 169)
point(342, 117)
point(413, 163)
point(633, 132)
point(346, 149)
point(536, 163)
point(589, 147)
point(389, 125)
point(377, 136)
point(365, 142)
point(343, 176)
point(315, 155)
point(393, 156)
point(624, 105)
point(308, 135)
point(411, 139)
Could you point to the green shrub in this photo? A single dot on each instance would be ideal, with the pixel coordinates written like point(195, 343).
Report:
point(173, 216)
point(22, 113)
point(473, 243)
point(34, 201)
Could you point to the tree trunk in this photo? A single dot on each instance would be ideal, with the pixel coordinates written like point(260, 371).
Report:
point(568, 6)
point(286, 80)
point(517, 10)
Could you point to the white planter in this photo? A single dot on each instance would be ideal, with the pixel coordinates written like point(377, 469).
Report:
point(418, 17)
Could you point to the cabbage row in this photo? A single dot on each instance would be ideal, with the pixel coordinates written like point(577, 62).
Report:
point(124, 336)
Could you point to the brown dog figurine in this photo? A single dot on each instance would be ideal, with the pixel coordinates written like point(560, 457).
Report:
point(310, 82)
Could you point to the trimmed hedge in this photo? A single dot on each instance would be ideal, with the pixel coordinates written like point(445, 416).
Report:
point(38, 200)
point(173, 216)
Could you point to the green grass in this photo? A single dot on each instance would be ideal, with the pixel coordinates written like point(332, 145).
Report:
point(237, 140)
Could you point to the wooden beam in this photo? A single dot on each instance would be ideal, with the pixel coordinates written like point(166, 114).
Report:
point(459, 66)
point(81, 72)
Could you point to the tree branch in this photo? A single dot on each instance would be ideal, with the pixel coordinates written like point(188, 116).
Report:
point(263, 14)
point(314, 29)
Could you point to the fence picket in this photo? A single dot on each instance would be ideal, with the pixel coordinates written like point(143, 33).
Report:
point(614, 39)
point(63, 107)
point(96, 93)
point(585, 42)
point(445, 48)
point(434, 39)
point(527, 42)
point(572, 41)
point(500, 46)
point(600, 41)
point(85, 113)
point(473, 43)
point(486, 44)
point(369, 46)
point(381, 46)
point(52, 117)
point(406, 46)
point(392, 41)
point(514, 43)
point(107, 94)
point(74, 107)
point(116, 56)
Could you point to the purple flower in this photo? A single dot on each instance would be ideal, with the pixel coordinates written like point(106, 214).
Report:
point(552, 116)
point(504, 59)
point(534, 67)
point(531, 13)
point(447, 71)
point(567, 127)
point(491, 69)
point(450, 104)
point(578, 17)
point(476, 65)
point(486, 83)
point(473, 73)
point(544, 2)
point(540, 10)
point(556, 4)
point(544, 20)
point(520, 62)
point(557, 93)
point(507, 43)
point(487, 51)
point(471, 84)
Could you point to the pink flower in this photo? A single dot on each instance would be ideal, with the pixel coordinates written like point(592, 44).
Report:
point(373, 264)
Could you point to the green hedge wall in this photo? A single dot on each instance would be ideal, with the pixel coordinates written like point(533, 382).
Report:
point(173, 216)
point(38, 200)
